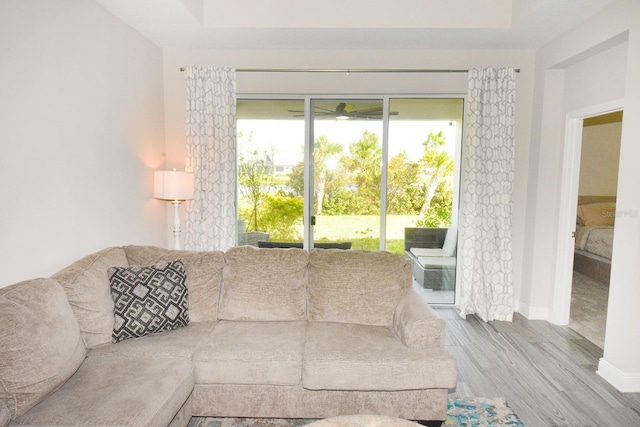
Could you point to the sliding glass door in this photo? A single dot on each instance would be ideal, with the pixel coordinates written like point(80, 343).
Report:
point(347, 172)
point(353, 172)
point(271, 168)
point(422, 189)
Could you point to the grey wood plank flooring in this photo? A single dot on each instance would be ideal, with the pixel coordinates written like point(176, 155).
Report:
point(545, 372)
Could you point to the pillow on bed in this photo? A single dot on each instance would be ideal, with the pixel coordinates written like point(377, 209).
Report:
point(597, 213)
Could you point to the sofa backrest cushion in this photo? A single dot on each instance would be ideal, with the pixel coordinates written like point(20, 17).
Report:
point(204, 276)
point(264, 284)
point(40, 343)
point(86, 283)
point(356, 286)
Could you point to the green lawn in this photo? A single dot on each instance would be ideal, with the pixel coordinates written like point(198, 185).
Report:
point(363, 230)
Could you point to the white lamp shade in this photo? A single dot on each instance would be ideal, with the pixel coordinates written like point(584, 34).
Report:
point(173, 185)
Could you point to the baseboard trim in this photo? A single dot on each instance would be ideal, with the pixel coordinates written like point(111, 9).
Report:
point(624, 382)
point(532, 313)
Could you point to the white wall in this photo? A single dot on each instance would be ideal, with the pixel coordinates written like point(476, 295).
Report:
point(591, 81)
point(315, 83)
point(596, 64)
point(81, 129)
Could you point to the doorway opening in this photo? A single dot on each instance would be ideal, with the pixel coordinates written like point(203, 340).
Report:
point(595, 221)
point(570, 236)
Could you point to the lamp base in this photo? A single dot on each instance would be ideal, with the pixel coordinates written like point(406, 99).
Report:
point(176, 223)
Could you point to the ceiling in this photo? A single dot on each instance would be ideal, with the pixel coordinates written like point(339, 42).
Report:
point(353, 24)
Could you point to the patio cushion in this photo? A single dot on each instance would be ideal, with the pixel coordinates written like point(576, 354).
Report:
point(427, 252)
point(437, 262)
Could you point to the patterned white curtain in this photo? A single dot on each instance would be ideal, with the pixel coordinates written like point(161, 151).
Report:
point(484, 252)
point(211, 155)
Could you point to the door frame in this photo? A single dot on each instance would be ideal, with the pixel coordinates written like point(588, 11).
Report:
point(570, 179)
point(308, 149)
point(309, 190)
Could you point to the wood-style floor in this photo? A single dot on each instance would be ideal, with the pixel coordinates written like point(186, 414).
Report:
point(545, 372)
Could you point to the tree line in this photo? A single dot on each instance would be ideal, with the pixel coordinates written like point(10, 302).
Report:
point(348, 183)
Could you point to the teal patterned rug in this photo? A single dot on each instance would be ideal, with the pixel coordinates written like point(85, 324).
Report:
point(470, 412)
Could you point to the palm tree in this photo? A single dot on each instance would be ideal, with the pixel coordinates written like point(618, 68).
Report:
point(365, 165)
point(323, 151)
point(438, 165)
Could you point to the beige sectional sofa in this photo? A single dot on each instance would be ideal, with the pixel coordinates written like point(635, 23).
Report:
point(271, 333)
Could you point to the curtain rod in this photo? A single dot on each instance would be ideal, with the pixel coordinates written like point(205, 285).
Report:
point(347, 71)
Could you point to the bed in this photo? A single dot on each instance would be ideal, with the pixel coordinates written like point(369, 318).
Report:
point(594, 239)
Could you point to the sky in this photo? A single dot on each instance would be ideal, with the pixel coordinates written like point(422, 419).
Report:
point(286, 137)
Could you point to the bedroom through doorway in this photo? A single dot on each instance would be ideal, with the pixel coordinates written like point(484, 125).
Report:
point(595, 222)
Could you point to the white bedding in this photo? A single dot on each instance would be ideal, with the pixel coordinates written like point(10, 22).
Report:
point(597, 240)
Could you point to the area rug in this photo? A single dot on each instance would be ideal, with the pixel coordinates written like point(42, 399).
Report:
point(469, 412)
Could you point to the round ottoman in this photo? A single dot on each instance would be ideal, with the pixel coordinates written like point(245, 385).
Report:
point(363, 421)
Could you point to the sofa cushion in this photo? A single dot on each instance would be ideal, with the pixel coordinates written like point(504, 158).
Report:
point(40, 343)
point(252, 353)
point(148, 299)
point(264, 284)
point(356, 286)
point(204, 275)
point(339, 356)
point(5, 415)
point(181, 342)
point(119, 392)
point(87, 286)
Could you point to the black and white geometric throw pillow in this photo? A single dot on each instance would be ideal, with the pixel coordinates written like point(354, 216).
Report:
point(148, 299)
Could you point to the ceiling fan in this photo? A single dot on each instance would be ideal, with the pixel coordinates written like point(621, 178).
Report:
point(345, 111)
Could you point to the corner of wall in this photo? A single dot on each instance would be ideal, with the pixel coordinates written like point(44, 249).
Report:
point(532, 313)
point(623, 381)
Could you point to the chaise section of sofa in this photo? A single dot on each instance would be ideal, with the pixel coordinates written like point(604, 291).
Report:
point(46, 378)
point(116, 391)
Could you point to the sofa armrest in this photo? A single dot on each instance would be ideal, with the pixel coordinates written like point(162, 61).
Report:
point(417, 324)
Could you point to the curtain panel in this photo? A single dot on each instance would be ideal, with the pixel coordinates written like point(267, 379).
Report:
point(210, 126)
point(485, 251)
